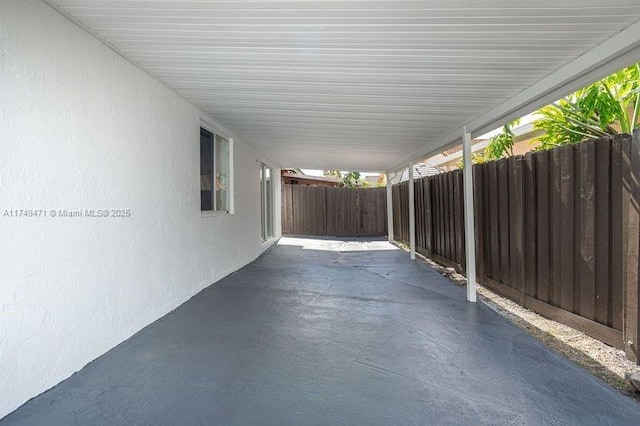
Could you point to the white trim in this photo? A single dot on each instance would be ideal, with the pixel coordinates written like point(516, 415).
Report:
point(269, 241)
point(389, 208)
point(412, 215)
point(470, 243)
point(212, 213)
point(231, 190)
point(212, 128)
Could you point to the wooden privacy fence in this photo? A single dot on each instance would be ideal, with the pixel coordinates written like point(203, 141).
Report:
point(556, 231)
point(341, 212)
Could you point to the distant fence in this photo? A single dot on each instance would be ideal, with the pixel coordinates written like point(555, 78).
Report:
point(341, 212)
point(556, 231)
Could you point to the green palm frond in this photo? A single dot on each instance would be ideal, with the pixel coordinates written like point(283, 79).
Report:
point(607, 107)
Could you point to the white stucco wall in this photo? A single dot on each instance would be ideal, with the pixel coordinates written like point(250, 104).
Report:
point(82, 128)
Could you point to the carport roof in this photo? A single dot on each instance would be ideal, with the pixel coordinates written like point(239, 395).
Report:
point(366, 85)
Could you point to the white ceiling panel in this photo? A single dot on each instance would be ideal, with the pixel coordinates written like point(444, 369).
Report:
point(364, 84)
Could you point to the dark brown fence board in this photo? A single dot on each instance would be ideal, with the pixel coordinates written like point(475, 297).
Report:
point(602, 271)
point(401, 212)
point(405, 212)
point(543, 246)
point(341, 209)
point(586, 248)
point(358, 205)
point(446, 223)
point(355, 216)
point(486, 237)
point(451, 184)
point(494, 233)
point(429, 215)
point(446, 262)
point(566, 236)
point(448, 216)
point(503, 221)
point(314, 217)
point(601, 332)
point(381, 219)
point(478, 203)
point(424, 214)
point(419, 209)
point(286, 207)
point(298, 212)
point(502, 289)
point(530, 225)
point(345, 200)
point(345, 212)
point(417, 215)
point(444, 209)
point(458, 218)
point(448, 219)
point(396, 206)
point(374, 213)
point(631, 219)
point(516, 224)
point(616, 238)
point(556, 231)
point(439, 230)
point(555, 235)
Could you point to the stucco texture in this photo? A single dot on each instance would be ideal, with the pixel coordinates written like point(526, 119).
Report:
point(82, 128)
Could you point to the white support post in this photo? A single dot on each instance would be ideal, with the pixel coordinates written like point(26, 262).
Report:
point(469, 224)
point(412, 215)
point(389, 208)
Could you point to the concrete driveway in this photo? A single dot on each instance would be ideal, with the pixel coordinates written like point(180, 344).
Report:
point(327, 332)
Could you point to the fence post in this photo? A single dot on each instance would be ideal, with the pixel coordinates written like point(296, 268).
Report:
point(389, 208)
point(412, 214)
point(631, 240)
point(469, 225)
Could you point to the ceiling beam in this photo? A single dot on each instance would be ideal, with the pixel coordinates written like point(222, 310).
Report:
point(621, 50)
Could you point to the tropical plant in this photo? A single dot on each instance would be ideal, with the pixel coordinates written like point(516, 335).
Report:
point(352, 180)
point(607, 107)
point(333, 173)
point(349, 179)
point(499, 146)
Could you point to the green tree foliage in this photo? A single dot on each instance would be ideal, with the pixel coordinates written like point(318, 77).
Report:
point(349, 179)
point(333, 173)
point(499, 146)
point(354, 180)
point(607, 107)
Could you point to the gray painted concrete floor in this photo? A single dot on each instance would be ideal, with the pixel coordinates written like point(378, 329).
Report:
point(324, 332)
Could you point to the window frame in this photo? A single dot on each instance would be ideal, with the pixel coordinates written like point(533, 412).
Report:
point(230, 180)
